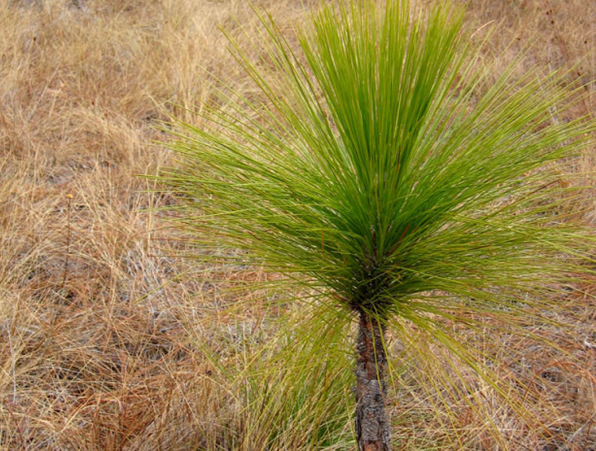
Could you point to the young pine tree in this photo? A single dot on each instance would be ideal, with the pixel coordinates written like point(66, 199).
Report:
point(378, 169)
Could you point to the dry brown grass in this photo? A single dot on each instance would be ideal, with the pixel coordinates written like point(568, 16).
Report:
point(106, 334)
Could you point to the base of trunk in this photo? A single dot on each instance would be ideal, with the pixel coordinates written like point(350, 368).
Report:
point(372, 423)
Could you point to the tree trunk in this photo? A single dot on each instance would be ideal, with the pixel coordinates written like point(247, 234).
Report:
point(372, 423)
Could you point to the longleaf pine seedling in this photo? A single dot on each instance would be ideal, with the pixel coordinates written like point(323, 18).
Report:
point(379, 170)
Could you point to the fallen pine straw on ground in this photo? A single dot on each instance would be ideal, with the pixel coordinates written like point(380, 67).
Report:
point(110, 339)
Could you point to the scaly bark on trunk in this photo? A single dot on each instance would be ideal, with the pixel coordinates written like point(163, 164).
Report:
point(372, 423)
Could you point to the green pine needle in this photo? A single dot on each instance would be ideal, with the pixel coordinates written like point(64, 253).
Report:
point(378, 169)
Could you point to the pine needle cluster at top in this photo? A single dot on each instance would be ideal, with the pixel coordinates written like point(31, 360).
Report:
point(381, 169)
point(377, 168)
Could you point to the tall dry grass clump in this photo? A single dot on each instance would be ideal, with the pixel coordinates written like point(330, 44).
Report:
point(111, 341)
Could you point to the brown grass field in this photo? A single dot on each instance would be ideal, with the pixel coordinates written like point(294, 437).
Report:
point(110, 338)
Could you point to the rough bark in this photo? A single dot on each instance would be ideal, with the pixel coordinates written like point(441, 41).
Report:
point(372, 422)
